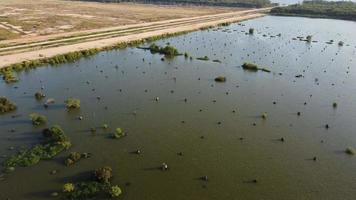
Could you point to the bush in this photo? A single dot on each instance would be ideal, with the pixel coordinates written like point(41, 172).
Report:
point(220, 79)
point(8, 76)
point(6, 105)
point(56, 142)
point(350, 151)
point(38, 119)
point(72, 103)
point(251, 31)
point(68, 187)
point(250, 66)
point(39, 96)
point(72, 158)
point(167, 50)
point(118, 133)
point(103, 174)
point(115, 191)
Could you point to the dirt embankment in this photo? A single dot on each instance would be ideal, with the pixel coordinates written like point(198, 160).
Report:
point(35, 49)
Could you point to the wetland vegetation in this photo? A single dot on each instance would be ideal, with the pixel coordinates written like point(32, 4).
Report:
point(320, 9)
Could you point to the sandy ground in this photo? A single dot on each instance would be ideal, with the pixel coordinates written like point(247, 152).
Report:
point(52, 51)
point(44, 17)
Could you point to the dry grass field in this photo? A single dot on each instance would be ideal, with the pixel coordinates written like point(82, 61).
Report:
point(23, 18)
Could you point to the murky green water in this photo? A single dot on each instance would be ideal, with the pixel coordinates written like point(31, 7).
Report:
point(284, 170)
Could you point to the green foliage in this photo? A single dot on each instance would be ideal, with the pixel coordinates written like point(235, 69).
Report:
point(101, 186)
point(86, 190)
point(38, 119)
point(167, 50)
point(118, 133)
point(115, 191)
point(103, 174)
point(250, 66)
point(56, 142)
point(6, 105)
point(68, 187)
point(8, 76)
point(72, 103)
point(72, 158)
point(325, 9)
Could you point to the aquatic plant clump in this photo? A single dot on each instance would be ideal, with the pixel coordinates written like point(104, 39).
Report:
point(167, 50)
point(75, 157)
point(72, 103)
point(39, 96)
point(100, 186)
point(38, 119)
point(55, 142)
point(68, 187)
point(350, 151)
point(103, 174)
point(6, 105)
point(119, 133)
point(115, 191)
point(220, 79)
point(250, 66)
point(205, 58)
point(8, 76)
point(253, 67)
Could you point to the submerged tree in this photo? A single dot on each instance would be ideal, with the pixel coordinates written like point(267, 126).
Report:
point(6, 105)
point(72, 103)
point(38, 119)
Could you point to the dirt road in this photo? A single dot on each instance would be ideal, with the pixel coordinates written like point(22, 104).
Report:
point(15, 52)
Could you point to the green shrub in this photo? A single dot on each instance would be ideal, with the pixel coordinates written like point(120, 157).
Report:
point(56, 142)
point(68, 187)
point(72, 158)
point(103, 174)
point(250, 66)
point(167, 50)
point(118, 133)
point(38, 119)
point(72, 103)
point(6, 105)
point(115, 191)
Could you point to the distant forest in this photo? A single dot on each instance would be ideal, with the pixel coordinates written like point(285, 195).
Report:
point(319, 8)
point(230, 3)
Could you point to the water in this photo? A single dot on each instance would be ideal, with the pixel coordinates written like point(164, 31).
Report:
point(284, 170)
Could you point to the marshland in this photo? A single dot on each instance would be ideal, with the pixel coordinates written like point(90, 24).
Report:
point(273, 119)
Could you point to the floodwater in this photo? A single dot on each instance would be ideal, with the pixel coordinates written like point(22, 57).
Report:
point(214, 141)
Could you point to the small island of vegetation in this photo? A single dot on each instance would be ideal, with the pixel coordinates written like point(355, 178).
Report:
point(319, 9)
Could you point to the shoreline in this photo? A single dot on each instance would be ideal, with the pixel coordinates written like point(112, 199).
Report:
point(8, 61)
